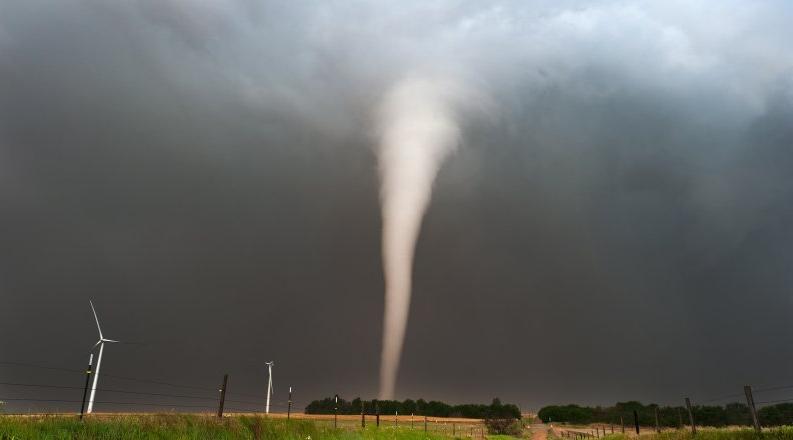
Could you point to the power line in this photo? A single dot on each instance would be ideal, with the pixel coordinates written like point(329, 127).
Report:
point(104, 402)
point(777, 401)
point(757, 390)
point(155, 382)
point(109, 390)
point(22, 364)
point(774, 388)
point(727, 396)
point(127, 403)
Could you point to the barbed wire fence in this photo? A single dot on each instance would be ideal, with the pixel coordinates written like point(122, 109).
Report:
point(628, 422)
point(207, 399)
point(201, 399)
point(240, 401)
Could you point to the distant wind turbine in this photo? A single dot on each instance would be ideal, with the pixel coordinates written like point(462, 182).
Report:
point(269, 385)
point(101, 344)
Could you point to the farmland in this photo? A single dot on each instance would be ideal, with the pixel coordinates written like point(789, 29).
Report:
point(314, 427)
point(235, 426)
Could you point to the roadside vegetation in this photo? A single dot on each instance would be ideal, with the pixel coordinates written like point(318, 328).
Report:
point(782, 433)
point(731, 414)
point(189, 427)
point(779, 433)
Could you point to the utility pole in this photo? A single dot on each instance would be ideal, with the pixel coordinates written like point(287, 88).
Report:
point(750, 401)
point(363, 417)
point(223, 395)
point(636, 420)
point(335, 411)
point(691, 416)
point(87, 382)
point(411, 422)
point(622, 422)
point(425, 423)
point(377, 413)
point(289, 405)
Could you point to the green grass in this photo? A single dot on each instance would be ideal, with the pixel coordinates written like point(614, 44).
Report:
point(783, 433)
point(499, 437)
point(189, 427)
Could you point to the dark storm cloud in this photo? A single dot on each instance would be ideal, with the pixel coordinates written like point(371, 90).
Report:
point(617, 226)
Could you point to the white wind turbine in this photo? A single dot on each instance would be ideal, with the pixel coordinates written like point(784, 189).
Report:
point(269, 385)
point(101, 344)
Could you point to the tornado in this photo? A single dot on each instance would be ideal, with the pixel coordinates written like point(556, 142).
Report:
point(417, 131)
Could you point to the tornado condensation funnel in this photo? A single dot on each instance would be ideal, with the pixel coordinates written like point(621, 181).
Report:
point(418, 130)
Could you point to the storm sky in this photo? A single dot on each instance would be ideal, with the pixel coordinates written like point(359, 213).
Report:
point(617, 222)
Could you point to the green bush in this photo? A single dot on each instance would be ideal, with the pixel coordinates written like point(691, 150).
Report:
point(503, 427)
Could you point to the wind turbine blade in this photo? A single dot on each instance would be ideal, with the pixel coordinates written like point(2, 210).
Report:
point(97, 319)
point(110, 340)
point(97, 344)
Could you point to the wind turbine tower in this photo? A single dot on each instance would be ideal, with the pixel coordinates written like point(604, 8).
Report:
point(101, 344)
point(269, 385)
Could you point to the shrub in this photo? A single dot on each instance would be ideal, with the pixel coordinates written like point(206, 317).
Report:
point(506, 426)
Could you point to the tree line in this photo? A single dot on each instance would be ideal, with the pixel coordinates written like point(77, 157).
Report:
point(668, 416)
point(496, 409)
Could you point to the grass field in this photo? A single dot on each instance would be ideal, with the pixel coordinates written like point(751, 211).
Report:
point(785, 433)
point(782, 433)
point(184, 427)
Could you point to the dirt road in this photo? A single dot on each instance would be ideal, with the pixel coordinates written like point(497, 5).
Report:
point(539, 431)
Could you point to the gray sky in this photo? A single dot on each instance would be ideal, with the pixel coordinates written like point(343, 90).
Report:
point(617, 223)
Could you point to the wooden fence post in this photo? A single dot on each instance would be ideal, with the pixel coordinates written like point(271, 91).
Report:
point(750, 401)
point(87, 382)
point(335, 411)
point(223, 395)
point(691, 416)
point(289, 408)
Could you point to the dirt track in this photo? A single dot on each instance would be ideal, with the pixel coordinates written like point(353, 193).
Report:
point(539, 432)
